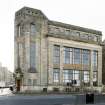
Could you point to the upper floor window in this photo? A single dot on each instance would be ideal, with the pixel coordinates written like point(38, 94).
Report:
point(19, 30)
point(96, 38)
point(32, 57)
point(95, 58)
point(67, 31)
point(56, 54)
point(85, 57)
point(68, 55)
point(33, 29)
point(84, 36)
point(77, 54)
point(77, 34)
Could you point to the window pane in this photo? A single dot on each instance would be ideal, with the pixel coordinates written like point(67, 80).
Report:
point(86, 76)
point(33, 29)
point(56, 54)
point(85, 57)
point(77, 56)
point(34, 82)
point(29, 82)
point(32, 56)
point(67, 55)
point(56, 75)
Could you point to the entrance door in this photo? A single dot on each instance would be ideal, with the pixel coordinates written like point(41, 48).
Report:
point(18, 85)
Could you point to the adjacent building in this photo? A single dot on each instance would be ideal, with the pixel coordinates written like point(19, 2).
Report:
point(54, 56)
point(6, 77)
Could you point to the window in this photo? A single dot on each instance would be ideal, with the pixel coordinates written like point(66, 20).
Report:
point(67, 31)
point(33, 29)
point(34, 82)
point(85, 57)
point(77, 34)
point(56, 54)
point(77, 56)
point(95, 75)
point(19, 30)
point(96, 38)
point(86, 78)
point(29, 82)
point(32, 57)
point(76, 76)
point(67, 55)
point(71, 75)
point(95, 68)
point(95, 54)
point(91, 37)
point(56, 75)
point(84, 36)
point(67, 76)
point(20, 54)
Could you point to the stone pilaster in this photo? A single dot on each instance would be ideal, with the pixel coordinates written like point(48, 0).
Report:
point(91, 70)
point(100, 68)
point(61, 63)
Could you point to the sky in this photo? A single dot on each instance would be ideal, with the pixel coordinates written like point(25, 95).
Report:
point(84, 13)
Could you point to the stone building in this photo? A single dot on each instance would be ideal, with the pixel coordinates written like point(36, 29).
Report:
point(54, 56)
point(6, 77)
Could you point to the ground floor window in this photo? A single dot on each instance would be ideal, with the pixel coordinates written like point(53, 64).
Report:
point(56, 75)
point(29, 82)
point(71, 76)
point(95, 83)
point(86, 78)
point(32, 82)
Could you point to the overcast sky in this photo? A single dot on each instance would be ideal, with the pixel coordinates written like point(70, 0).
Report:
point(85, 13)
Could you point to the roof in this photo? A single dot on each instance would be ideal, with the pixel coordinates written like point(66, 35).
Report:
point(74, 27)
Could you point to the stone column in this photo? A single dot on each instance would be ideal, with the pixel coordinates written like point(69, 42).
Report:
point(91, 70)
point(50, 63)
point(99, 68)
point(61, 64)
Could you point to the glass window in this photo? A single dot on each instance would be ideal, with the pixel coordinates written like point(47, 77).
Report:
point(19, 30)
point(67, 31)
point(67, 55)
point(70, 75)
point(56, 54)
point(77, 56)
point(95, 54)
point(77, 34)
point(67, 76)
point(84, 36)
point(96, 38)
point(76, 77)
point(85, 57)
point(95, 75)
point(29, 82)
point(95, 68)
point(34, 82)
point(56, 75)
point(86, 76)
point(32, 56)
point(33, 29)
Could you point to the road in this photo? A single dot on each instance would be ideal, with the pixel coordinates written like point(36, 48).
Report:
point(43, 100)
